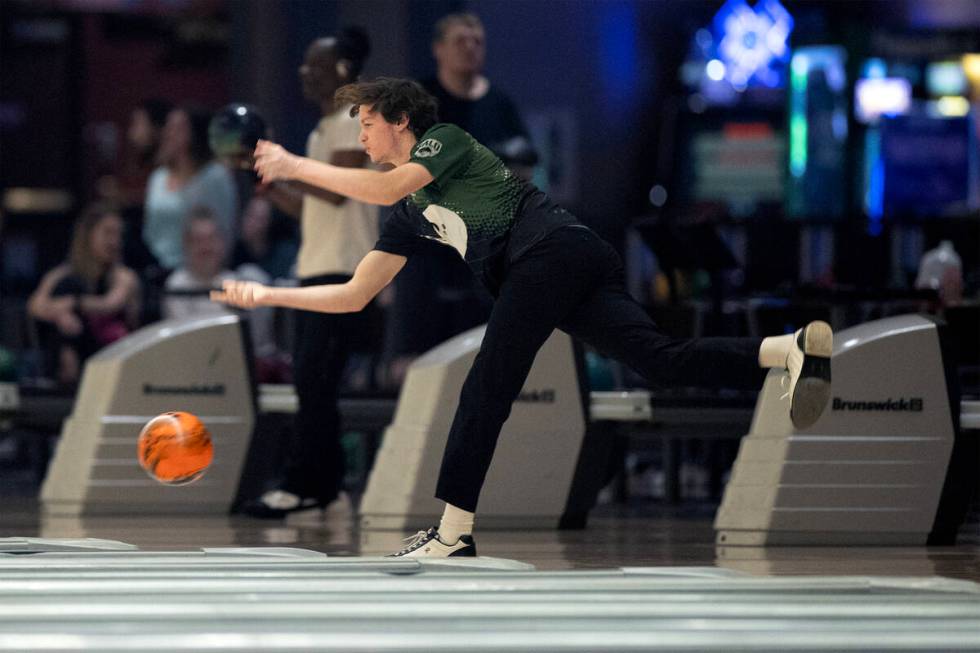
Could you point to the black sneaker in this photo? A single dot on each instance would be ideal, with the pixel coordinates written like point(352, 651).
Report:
point(276, 504)
point(428, 544)
point(809, 373)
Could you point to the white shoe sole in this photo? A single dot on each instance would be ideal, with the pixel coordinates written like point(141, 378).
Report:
point(812, 390)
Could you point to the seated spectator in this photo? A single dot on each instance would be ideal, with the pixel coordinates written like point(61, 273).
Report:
point(90, 300)
point(186, 289)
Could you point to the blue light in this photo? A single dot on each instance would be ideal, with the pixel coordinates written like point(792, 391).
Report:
point(875, 69)
point(753, 43)
point(874, 196)
point(704, 39)
point(715, 70)
point(618, 58)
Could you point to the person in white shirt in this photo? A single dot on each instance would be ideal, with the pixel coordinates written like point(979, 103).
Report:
point(336, 233)
point(204, 255)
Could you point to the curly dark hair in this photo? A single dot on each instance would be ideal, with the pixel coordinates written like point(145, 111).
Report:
point(392, 98)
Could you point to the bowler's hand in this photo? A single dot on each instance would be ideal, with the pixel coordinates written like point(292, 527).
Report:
point(273, 162)
point(243, 294)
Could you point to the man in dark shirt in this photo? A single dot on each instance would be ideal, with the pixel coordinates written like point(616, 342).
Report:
point(545, 269)
point(467, 98)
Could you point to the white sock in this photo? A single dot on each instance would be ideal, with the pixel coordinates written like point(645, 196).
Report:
point(774, 350)
point(455, 522)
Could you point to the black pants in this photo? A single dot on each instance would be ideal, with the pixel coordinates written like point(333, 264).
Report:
point(315, 462)
point(571, 280)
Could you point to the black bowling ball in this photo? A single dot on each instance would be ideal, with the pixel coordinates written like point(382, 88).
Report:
point(233, 133)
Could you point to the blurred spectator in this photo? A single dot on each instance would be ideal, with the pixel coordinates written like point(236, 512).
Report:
point(336, 233)
point(143, 134)
point(186, 289)
point(259, 244)
point(90, 300)
point(466, 97)
point(144, 131)
point(124, 186)
point(941, 269)
point(186, 177)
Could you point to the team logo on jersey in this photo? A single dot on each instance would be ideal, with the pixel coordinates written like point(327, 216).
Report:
point(428, 147)
point(447, 226)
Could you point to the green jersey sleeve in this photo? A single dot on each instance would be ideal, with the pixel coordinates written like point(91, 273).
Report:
point(442, 149)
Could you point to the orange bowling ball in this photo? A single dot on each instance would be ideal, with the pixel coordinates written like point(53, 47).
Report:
point(175, 448)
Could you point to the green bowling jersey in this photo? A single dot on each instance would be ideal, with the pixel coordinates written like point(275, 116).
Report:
point(474, 204)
